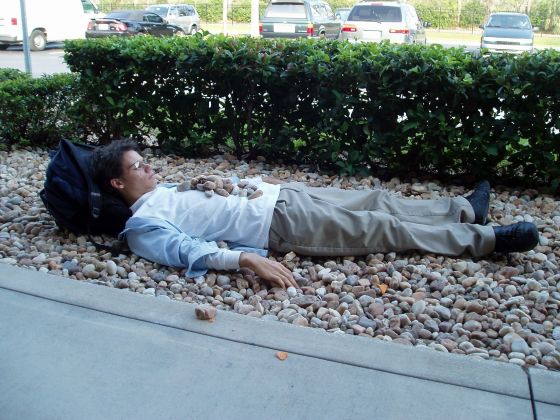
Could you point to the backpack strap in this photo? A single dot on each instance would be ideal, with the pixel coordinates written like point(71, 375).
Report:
point(95, 199)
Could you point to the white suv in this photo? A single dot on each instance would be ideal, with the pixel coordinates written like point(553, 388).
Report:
point(508, 32)
point(183, 15)
point(387, 20)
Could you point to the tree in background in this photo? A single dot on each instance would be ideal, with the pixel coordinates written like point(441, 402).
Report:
point(466, 13)
point(440, 13)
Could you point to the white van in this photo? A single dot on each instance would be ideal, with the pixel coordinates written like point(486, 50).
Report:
point(46, 21)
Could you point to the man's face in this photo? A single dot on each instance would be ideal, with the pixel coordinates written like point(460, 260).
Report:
point(137, 177)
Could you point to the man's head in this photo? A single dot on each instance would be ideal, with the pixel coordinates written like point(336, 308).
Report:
point(119, 167)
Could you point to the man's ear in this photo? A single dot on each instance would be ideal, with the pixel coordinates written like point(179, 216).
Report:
point(117, 184)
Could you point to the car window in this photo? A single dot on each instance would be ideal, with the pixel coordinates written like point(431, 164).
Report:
point(413, 16)
point(318, 10)
point(152, 18)
point(160, 10)
point(118, 15)
point(89, 7)
point(342, 14)
point(328, 11)
point(173, 11)
point(285, 10)
point(509, 21)
point(375, 13)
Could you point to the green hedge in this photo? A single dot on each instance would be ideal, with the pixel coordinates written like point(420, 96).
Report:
point(35, 112)
point(371, 107)
point(357, 107)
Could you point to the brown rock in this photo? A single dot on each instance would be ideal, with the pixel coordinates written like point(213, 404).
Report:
point(209, 185)
point(331, 297)
point(222, 191)
point(367, 293)
point(509, 272)
point(537, 316)
point(256, 194)
point(205, 312)
point(357, 289)
point(419, 295)
point(312, 273)
point(473, 306)
point(448, 344)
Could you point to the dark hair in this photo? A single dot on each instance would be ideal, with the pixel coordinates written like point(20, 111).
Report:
point(107, 163)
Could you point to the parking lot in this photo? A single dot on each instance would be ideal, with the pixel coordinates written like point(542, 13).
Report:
point(49, 61)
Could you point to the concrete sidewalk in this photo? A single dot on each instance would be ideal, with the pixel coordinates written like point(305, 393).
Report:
point(72, 350)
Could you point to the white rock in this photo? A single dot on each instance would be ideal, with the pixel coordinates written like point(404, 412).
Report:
point(292, 292)
point(111, 268)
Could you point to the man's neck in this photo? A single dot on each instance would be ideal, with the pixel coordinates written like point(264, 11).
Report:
point(132, 198)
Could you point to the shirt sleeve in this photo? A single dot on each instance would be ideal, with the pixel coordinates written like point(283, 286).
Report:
point(164, 243)
point(168, 245)
point(224, 259)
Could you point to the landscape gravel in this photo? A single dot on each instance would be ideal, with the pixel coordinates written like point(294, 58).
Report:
point(501, 307)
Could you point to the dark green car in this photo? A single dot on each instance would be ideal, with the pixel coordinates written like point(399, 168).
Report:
point(299, 18)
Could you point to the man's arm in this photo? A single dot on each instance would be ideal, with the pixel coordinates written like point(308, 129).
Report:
point(270, 271)
point(162, 242)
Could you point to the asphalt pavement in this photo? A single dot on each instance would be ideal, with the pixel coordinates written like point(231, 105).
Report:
point(73, 350)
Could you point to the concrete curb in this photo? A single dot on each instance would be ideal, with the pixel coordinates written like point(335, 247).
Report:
point(489, 376)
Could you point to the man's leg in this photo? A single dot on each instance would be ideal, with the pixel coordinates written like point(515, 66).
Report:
point(427, 212)
point(310, 226)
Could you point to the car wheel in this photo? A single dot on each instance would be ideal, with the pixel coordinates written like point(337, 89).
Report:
point(37, 40)
point(194, 30)
point(322, 35)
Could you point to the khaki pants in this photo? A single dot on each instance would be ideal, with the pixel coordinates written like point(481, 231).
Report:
point(336, 222)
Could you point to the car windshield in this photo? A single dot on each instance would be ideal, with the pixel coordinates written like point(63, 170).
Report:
point(509, 21)
point(122, 15)
point(160, 10)
point(375, 13)
point(285, 10)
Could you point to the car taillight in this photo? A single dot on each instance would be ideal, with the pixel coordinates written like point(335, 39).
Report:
point(399, 31)
point(349, 28)
point(90, 25)
point(310, 29)
point(260, 27)
point(13, 21)
point(121, 27)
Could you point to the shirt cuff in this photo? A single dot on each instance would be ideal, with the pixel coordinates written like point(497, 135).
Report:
point(224, 259)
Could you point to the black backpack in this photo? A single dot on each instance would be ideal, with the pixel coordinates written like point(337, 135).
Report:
point(74, 199)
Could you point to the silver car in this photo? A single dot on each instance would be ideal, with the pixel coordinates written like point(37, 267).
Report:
point(299, 18)
point(507, 32)
point(183, 15)
point(379, 21)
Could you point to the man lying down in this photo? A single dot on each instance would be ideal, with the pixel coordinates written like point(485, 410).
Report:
point(178, 226)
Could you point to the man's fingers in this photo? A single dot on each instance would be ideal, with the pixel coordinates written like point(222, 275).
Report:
point(290, 278)
point(281, 276)
point(269, 270)
point(287, 276)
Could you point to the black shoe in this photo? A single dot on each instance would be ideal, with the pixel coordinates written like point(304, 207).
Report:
point(480, 202)
point(519, 237)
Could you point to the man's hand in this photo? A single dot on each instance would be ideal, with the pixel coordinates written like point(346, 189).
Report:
point(270, 271)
